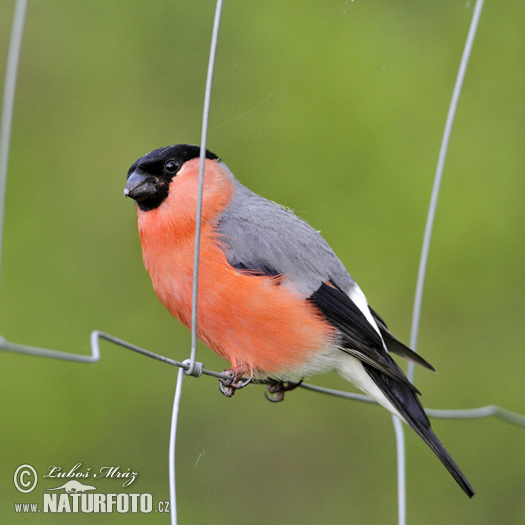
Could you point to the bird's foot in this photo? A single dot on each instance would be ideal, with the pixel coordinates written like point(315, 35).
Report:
point(229, 386)
point(277, 389)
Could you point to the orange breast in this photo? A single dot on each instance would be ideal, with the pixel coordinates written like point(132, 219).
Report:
point(248, 320)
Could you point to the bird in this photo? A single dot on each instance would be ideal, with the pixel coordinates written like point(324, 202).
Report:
point(273, 298)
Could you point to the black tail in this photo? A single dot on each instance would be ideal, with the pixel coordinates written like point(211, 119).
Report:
point(408, 405)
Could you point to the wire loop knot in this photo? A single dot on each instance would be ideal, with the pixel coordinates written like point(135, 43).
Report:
point(195, 370)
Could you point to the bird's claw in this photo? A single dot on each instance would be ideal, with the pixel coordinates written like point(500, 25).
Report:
point(229, 386)
point(277, 389)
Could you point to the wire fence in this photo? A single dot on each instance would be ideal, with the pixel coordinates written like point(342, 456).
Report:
point(191, 366)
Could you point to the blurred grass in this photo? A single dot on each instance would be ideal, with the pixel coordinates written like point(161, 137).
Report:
point(335, 109)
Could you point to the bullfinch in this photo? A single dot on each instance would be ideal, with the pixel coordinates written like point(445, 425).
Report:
point(273, 298)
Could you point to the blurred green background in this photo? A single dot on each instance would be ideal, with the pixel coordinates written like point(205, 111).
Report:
point(335, 109)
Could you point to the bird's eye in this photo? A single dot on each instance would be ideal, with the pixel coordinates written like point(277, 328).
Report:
point(171, 166)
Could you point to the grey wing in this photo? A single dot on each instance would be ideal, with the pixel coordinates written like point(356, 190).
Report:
point(259, 234)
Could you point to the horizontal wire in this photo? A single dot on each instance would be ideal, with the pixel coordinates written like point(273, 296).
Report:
point(468, 413)
point(475, 413)
point(55, 354)
point(461, 413)
point(96, 335)
point(338, 393)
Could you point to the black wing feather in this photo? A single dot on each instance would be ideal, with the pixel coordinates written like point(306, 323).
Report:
point(395, 346)
point(360, 338)
point(410, 408)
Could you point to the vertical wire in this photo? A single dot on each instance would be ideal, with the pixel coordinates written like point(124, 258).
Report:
point(8, 103)
point(401, 473)
point(192, 368)
point(418, 299)
point(173, 439)
point(204, 135)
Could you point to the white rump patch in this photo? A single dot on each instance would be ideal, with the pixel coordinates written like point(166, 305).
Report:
point(351, 369)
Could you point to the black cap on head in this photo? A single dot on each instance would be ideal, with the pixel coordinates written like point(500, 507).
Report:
point(149, 176)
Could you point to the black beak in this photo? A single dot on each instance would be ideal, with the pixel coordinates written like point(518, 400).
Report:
point(140, 186)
